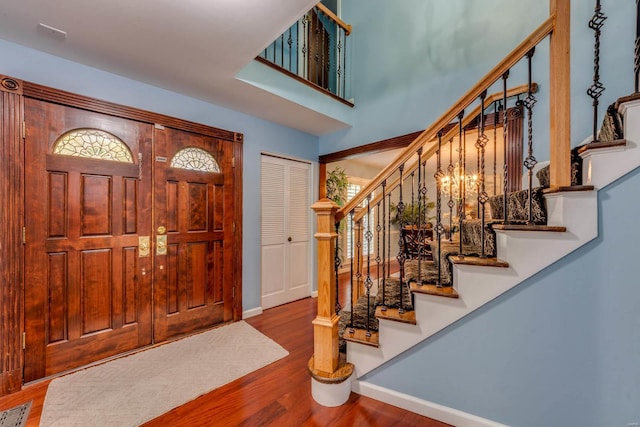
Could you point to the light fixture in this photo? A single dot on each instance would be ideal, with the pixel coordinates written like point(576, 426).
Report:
point(450, 184)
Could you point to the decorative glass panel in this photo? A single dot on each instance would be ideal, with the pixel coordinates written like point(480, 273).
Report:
point(195, 159)
point(94, 144)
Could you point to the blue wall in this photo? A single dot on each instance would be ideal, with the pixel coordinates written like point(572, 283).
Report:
point(412, 62)
point(561, 349)
point(259, 135)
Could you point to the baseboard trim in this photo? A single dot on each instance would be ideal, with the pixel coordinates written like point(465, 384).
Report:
point(422, 407)
point(251, 313)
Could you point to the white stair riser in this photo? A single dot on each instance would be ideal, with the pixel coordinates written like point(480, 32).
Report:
point(602, 167)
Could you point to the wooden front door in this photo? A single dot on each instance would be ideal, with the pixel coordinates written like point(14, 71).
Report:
point(194, 208)
point(102, 195)
point(87, 291)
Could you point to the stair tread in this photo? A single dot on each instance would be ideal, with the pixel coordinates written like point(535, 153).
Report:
point(570, 188)
point(529, 227)
point(431, 289)
point(394, 314)
point(479, 261)
point(360, 336)
point(604, 144)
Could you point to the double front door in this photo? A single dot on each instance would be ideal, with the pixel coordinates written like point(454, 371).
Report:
point(128, 237)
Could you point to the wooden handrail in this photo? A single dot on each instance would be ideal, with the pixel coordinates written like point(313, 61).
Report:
point(324, 9)
point(468, 118)
point(491, 77)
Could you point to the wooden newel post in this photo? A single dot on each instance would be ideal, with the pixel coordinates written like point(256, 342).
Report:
point(325, 325)
point(560, 94)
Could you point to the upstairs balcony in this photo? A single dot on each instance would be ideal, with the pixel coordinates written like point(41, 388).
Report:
point(315, 51)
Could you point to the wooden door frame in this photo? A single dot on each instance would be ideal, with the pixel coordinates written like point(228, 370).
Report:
point(12, 165)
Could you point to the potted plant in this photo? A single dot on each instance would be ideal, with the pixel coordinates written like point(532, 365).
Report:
point(414, 215)
point(337, 184)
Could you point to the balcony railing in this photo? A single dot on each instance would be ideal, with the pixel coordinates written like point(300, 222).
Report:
point(315, 51)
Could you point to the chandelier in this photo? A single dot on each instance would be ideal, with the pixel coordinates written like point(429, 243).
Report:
point(450, 183)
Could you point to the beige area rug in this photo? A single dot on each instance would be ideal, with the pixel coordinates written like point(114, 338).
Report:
point(134, 389)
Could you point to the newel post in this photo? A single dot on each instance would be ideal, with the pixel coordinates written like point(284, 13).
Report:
point(330, 376)
point(560, 94)
point(325, 325)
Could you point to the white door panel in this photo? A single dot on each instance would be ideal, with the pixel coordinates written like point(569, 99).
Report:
point(285, 201)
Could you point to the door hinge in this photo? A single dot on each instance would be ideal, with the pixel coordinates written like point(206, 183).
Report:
point(234, 227)
point(233, 162)
point(24, 340)
point(24, 130)
point(24, 235)
point(233, 293)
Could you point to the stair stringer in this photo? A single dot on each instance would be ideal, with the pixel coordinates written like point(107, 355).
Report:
point(577, 211)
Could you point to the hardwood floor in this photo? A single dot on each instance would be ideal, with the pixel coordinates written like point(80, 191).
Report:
point(278, 394)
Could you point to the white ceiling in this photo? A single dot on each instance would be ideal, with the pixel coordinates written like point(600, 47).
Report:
point(193, 47)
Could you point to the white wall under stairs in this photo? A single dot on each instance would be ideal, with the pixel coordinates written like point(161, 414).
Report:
point(526, 252)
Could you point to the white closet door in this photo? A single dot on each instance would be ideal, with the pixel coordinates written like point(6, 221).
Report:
point(285, 272)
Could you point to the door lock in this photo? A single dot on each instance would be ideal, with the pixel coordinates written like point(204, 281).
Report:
point(162, 229)
point(143, 246)
point(161, 245)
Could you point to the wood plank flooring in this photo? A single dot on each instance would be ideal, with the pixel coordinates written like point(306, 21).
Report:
point(278, 394)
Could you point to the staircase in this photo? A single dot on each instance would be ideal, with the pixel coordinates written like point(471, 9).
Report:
point(522, 251)
point(421, 309)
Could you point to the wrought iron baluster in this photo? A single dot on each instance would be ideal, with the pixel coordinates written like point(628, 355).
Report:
point(595, 91)
point(495, 146)
point(305, 47)
point(378, 231)
point(316, 53)
point(530, 162)
point(505, 131)
point(282, 50)
point(483, 197)
point(462, 179)
point(450, 203)
point(385, 221)
point(420, 233)
point(339, 58)
point(297, 72)
point(344, 65)
point(351, 275)
point(384, 295)
point(290, 43)
point(322, 82)
point(413, 210)
point(439, 228)
point(368, 236)
point(337, 262)
point(401, 256)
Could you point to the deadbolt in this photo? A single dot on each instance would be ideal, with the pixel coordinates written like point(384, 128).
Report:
point(289, 239)
point(162, 229)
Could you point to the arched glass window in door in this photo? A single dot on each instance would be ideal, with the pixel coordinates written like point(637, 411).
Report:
point(93, 144)
point(195, 159)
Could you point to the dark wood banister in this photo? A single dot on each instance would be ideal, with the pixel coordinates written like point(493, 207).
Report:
point(452, 113)
point(448, 135)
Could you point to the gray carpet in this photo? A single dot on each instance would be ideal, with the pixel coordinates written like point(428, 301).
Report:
point(134, 389)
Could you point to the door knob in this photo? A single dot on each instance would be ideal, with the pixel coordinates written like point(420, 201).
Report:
point(289, 239)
